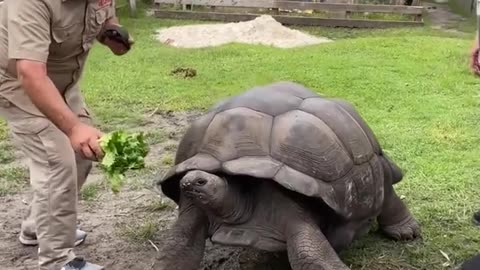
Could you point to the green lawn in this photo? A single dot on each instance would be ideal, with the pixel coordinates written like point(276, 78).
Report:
point(413, 87)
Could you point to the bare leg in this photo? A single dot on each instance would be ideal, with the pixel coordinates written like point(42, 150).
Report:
point(309, 249)
point(184, 246)
point(396, 220)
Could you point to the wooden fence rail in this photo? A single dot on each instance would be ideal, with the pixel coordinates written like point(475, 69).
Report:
point(271, 4)
point(397, 9)
point(415, 12)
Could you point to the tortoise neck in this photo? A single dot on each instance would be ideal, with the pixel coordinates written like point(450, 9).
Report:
point(237, 206)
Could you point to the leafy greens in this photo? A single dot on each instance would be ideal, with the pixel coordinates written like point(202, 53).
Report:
point(123, 152)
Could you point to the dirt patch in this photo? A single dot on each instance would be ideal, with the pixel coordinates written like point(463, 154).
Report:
point(107, 242)
point(124, 230)
point(184, 72)
point(117, 225)
point(264, 30)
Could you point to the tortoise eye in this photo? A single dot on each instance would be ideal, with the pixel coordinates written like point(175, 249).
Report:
point(201, 182)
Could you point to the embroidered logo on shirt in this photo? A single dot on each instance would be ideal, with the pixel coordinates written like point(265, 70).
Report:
point(104, 3)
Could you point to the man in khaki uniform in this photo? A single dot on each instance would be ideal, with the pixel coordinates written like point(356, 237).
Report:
point(43, 48)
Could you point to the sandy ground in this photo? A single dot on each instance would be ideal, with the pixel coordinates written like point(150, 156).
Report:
point(264, 30)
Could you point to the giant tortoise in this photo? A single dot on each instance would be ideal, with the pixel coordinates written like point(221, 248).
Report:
point(280, 168)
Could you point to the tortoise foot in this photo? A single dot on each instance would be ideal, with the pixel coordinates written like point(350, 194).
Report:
point(407, 229)
point(476, 218)
point(472, 263)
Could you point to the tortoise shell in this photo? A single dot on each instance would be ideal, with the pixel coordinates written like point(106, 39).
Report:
point(307, 143)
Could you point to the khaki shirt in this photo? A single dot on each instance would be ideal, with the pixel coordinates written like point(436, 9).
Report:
point(59, 33)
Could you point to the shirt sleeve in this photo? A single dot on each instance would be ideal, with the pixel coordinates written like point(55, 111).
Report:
point(113, 10)
point(111, 18)
point(28, 30)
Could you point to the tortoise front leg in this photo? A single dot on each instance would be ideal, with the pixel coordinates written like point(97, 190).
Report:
point(396, 221)
point(184, 246)
point(309, 249)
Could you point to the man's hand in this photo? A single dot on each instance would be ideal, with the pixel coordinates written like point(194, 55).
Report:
point(84, 140)
point(116, 38)
point(116, 47)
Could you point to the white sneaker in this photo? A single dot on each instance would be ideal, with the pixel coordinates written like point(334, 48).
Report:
point(81, 264)
point(31, 239)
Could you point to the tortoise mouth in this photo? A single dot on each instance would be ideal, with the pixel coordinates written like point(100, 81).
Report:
point(192, 192)
point(202, 187)
point(195, 191)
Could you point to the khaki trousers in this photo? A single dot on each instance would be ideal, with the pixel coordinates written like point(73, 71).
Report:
point(56, 176)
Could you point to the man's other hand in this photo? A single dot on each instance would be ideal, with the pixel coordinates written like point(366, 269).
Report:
point(117, 39)
point(84, 140)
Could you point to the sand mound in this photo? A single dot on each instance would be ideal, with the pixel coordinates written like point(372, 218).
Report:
point(264, 30)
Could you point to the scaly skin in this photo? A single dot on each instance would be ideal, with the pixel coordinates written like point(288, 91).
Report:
point(345, 233)
point(396, 221)
point(309, 249)
point(184, 245)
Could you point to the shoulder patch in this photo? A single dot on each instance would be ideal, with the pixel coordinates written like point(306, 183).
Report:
point(104, 3)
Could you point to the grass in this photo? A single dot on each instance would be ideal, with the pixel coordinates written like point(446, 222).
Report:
point(6, 153)
point(91, 191)
point(167, 160)
point(157, 206)
point(155, 137)
point(12, 180)
point(412, 86)
point(140, 231)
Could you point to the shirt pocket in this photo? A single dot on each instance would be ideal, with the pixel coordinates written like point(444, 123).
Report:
point(29, 126)
point(65, 40)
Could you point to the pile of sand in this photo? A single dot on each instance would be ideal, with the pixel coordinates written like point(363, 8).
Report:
point(264, 30)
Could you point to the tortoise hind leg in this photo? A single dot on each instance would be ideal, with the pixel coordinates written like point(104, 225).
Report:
point(309, 249)
point(184, 245)
point(395, 220)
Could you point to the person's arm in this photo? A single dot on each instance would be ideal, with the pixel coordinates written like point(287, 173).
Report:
point(112, 19)
point(474, 54)
point(44, 94)
point(113, 22)
point(475, 43)
point(108, 23)
point(28, 45)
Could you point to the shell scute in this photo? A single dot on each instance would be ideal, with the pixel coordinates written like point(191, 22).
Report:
point(305, 143)
point(236, 133)
point(345, 127)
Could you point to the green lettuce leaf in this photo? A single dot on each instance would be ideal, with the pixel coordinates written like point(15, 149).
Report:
point(123, 152)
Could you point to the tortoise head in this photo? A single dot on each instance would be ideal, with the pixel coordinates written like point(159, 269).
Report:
point(206, 189)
